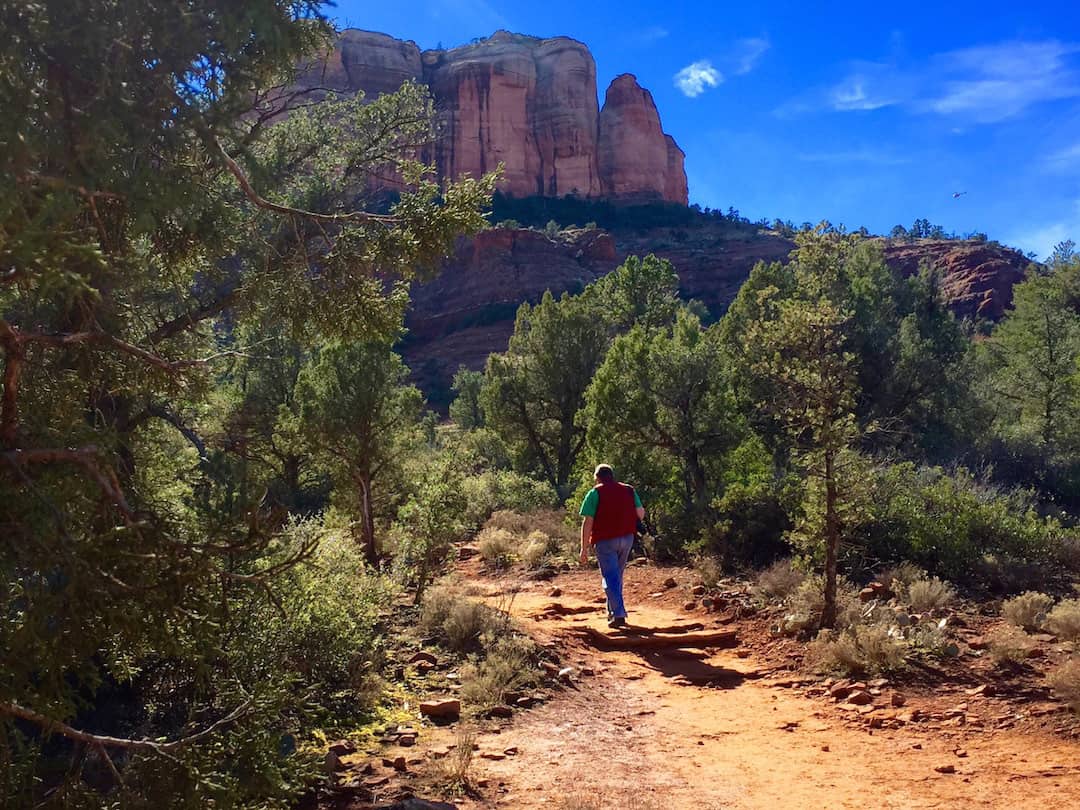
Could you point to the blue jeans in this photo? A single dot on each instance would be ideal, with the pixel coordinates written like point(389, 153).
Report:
point(612, 555)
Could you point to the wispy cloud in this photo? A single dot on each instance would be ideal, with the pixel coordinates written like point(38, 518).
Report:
point(1040, 238)
point(1064, 160)
point(877, 157)
point(696, 78)
point(747, 53)
point(984, 84)
point(647, 36)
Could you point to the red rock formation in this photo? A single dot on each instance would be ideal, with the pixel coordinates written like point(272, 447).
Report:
point(527, 103)
point(635, 157)
point(977, 278)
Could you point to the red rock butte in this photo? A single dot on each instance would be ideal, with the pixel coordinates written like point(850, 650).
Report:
point(528, 103)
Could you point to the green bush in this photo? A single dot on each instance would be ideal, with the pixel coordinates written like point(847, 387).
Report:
point(1064, 620)
point(949, 524)
point(504, 490)
point(861, 649)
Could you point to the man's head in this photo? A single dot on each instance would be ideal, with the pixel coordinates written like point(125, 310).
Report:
point(604, 474)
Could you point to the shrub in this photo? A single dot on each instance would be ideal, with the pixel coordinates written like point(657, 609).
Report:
point(1009, 643)
point(508, 664)
point(709, 569)
point(502, 490)
point(458, 622)
point(899, 577)
point(929, 594)
point(1064, 620)
point(1065, 681)
point(866, 648)
point(779, 580)
point(497, 547)
point(538, 546)
point(807, 602)
point(1028, 610)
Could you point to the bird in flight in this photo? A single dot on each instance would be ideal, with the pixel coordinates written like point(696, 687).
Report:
point(958, 194)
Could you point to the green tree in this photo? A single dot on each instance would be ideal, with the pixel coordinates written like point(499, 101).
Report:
point(666, 393)
point(1034, 353)
point(800, 352)
point(150, 205)
point(356, 410)
point(465, 410)
point(533, 392)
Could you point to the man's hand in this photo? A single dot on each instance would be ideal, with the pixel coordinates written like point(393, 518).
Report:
point(583, 558)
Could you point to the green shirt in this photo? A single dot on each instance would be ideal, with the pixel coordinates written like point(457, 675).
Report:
point(588, 506)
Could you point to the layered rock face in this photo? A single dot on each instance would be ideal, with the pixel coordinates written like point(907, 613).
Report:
point(528, 103)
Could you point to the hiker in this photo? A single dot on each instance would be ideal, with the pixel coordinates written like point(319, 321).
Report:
point(610, 513)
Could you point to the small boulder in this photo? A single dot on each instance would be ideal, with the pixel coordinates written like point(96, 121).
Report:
point(670, 582)
point(867, 594)
point(690, 606)
point(423, 657)
point(897, 700)
point(555, 592)
point(860, 697)
point(698, 590)
point(501, 711)
point(343, 747)
point(947, 768)
point(449, 707)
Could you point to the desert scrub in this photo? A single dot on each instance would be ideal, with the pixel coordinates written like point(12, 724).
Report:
point(537, 549)
point(497, 547)
point(929, 594)
point(862, 649)
point(458, 622)
point(807, 602)
point(1028, 610)
point(779, 580)
point(456, 768)
point(1065, 681)
point(898, 578)
point(507, 663)
point(1008, 644)
point(1064, 620)
point(708, 569)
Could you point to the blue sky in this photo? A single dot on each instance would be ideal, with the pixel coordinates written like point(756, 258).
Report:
point(860, 113)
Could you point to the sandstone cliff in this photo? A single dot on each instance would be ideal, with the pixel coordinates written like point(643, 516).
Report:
point(528, 103)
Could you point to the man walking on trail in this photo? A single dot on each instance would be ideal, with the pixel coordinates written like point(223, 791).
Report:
point(610, 514)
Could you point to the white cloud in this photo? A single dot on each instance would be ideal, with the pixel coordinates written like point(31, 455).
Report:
point(984, 84)
point(852, 94)
point(748, 53)
point(695, 79)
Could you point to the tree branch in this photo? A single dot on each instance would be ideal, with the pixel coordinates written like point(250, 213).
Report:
point(104, 741)
point(192, 317)
point(261, 202)
point(85, 457)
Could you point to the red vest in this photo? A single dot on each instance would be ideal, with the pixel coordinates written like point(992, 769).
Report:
point(616, 514)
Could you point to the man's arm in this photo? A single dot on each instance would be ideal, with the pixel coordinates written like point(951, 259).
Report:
point(586, 532)
point(640, 512)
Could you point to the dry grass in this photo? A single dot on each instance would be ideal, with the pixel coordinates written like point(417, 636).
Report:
point(507, 665)
point(863, 649)
point(1065, 681)
point(456, 769)
point(709, 570)
point(497, 546)
point(1009, 644)
point(582, 800)
point(900, 576)
point(929, 594)
point(779, 580)
point(457, 621)
point(1028, 610)
point(1064, 620)
point(538, 548)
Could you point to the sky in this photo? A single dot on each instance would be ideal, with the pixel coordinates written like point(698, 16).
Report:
point(864, 114)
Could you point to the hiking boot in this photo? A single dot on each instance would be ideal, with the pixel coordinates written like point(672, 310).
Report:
point(617, 621)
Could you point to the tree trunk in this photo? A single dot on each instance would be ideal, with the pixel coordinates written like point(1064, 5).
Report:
point(832, 542)
point(367, 519)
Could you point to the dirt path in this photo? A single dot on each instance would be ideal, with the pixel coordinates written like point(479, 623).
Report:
point(710, 729)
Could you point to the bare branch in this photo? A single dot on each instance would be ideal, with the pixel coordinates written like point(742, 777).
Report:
point(192, 317)
point(86, 457)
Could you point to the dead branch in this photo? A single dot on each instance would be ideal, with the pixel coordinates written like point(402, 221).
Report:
point(14, 356)
point(192, 317)
point(99, 741)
